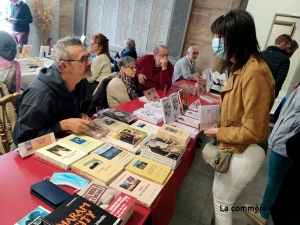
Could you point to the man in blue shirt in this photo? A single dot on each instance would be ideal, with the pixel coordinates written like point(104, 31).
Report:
point(20, 18)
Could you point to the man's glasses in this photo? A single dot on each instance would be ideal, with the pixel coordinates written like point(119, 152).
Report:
point(195, 53)
point(82, 60)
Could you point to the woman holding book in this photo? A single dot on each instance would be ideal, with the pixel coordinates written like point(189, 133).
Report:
point(245, 106)
point(101, 64)
point(122, 88)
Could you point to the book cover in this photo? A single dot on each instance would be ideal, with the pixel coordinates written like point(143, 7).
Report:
point(189, 89)
point(208, 116)
point(194, 105)
point(183, 100)
point(202, 86)
point(116, 155)
point(175, 105)
point(167, 151)
point(149, 169)
point(154, 106)
point(168, 131)
point(194, 132)
point(144, 126)
point(81, 142)
point(29, 147)
point(97, 132)
point(60, 155)
point(168, 116)
point(110, 123)
point(34, 217)
point(191, 114)
point(151, 95)
point(78, 210)
point(143, 99)
point(113, 201)
point(130, 136)
point(120, 115)
point(148, 115)
point(189, 121)
point(144, 190)
point(97, 168)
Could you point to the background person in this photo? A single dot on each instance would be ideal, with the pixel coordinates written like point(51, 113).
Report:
point(245, 111)
point(155, 70)
point(185, 68)
point(101, 64)
point(122, 88)
point(20, 18)
point(293, 47)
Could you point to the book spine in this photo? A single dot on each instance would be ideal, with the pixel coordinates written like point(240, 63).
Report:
point(51, 161)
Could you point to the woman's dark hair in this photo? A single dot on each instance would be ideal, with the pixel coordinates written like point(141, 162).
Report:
point(101, 40)
point(238, 29)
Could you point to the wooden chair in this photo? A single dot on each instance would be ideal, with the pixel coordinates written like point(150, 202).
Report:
point(7, 122)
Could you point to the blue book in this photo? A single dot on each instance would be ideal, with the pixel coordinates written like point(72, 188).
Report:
point(34, 217)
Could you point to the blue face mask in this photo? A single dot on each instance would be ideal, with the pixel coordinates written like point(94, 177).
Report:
point(219, 50)
point(69, 179)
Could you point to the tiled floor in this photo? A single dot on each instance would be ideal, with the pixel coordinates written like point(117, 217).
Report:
point(194, 204)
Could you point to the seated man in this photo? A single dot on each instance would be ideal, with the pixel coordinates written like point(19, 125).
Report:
point(54, 100)
point(185, 68)
point(129, 50)
point(155, 70)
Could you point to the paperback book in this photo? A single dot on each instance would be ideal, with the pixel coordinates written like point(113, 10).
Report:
point(154, 107)
point(34, 217)
point(189, 89)
point(183, 100)
point(96, 131)
point(202, 86)
point(149, 169)
point(114, 154)
point(181, 136)
point(149, 116)
point(97, 168)
point(130, 136)
point(208, 116)
point(175, 105)
point(144, 126)
point(60, 155)
point(110, 123)
point(194, 132)
point(143, 99)
point(78, 210)
point(151, 95)
point(167, 110)
point(210, 99)
point(120, 115)
point(191, 114)
point(144, 190)
point(189, 121)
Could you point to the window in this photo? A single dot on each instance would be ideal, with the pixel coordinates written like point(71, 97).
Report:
point(5, 13)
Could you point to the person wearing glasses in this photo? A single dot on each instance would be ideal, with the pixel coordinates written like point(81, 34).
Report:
point(101, 64)
point(124, 83)
point(185, 68)
point(55, 100)
point(245, 104)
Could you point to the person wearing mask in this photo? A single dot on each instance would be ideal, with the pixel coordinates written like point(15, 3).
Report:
point(155, 71)
point(244, 109)
point(20, 19)
point(277, 58)
point(123, 82)
point(185, 68)
point(101, 66)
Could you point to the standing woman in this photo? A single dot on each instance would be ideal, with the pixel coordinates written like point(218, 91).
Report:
point(245, 106)
point(101, 64)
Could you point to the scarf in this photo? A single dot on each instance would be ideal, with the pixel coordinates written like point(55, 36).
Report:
point(129, 83)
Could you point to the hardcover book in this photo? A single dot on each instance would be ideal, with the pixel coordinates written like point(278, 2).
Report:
point(120, 115)
point(110, 123)
point(78, 210)
point(166, 151)
point(116, 155)
point(144, 190)
point(113, 201)
point(149, 169)
point(168, 116)
point(29, 147)
point(175, 105)
point(144, 126)
point(81, 142)
point(148, 115)
point(97, 168)
point(60, 155)
point(189, 89)
point(151, 95)
point(168, 131)
point(34, 217)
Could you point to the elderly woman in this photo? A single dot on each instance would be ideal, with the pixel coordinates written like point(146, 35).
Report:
point(122, 88)
point(101, 64)
point(245, 106)
point(10, 71)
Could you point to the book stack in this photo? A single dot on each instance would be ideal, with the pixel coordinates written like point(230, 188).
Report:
point(148, 115)
point(110, 123)
point(168, 131)
point(120, 115)
point(113, 201)
point(154, 107)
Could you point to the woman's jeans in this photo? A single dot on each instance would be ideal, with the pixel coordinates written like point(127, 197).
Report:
point(278, 167)
point(227, 186)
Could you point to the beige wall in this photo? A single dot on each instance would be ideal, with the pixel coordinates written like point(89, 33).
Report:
point(203, 13)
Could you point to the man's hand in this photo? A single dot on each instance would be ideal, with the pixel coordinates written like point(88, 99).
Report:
point(84, 116)
point(164, 63)
point(195, 78)
point(142, 79)
point(11, 20)
point(75, 125)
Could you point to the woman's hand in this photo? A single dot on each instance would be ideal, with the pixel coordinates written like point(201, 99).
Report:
point(211, 132)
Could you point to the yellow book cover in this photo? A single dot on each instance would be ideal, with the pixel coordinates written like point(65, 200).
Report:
point(151, 170)
point(98, 168)
point(149, 128)
point(168, 131)
point(81, 142)
point(60, 155)
point(114, 154)
point(111, 124)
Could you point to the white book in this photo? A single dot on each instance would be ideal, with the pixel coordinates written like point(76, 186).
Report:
point(194, 132)
point(143, 99)
point(154, 106)
point(194, 105)
point(191, 113)
point(168, 116)
point(148, 115)
point(175, 105)
point(145, 126)
point(209, 99)
point(189, 121)
point(208, 116)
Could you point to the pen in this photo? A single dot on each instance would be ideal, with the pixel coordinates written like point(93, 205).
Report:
point(92, 128)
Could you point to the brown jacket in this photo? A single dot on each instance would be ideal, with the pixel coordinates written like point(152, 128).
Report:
point(245, 106)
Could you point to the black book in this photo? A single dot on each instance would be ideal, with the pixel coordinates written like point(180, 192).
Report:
point(120, 115)
point(78, 210)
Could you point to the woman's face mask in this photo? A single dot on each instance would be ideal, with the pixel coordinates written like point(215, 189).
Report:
point(219, 50)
